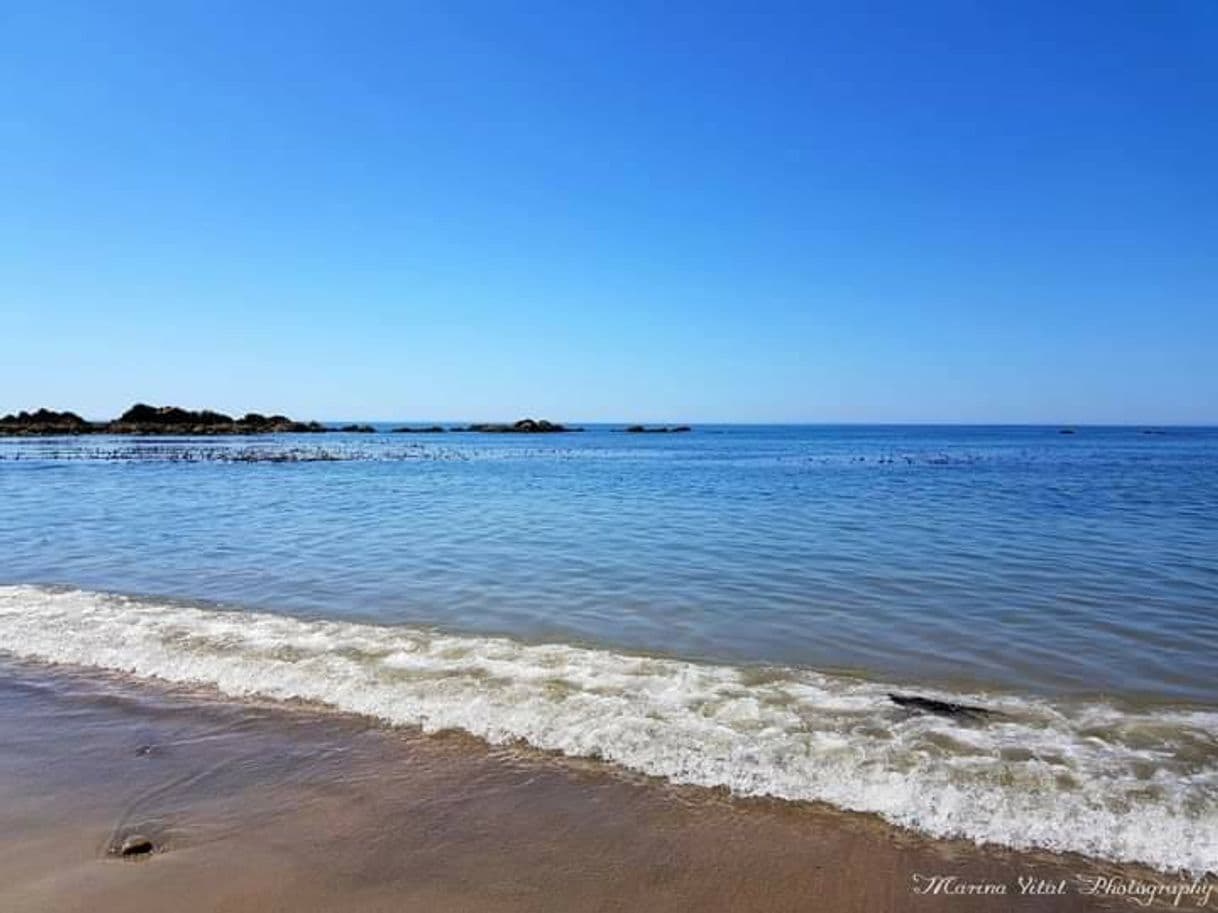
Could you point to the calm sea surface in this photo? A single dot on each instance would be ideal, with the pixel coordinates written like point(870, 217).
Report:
point(729, 607)
point(1017, 557)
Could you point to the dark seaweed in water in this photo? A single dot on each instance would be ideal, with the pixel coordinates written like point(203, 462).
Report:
point(205, 449)
point(181, 453)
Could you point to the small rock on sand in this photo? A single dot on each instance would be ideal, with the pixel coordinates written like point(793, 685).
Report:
point(135, 845)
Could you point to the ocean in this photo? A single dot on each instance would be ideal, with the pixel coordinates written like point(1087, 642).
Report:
point(730, 607)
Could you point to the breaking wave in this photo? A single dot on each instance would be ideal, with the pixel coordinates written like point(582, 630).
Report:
point(1085, 777)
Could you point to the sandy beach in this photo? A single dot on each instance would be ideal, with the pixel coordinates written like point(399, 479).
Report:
point(257, 807)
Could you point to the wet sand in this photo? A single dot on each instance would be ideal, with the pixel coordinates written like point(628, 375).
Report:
point(259, 807)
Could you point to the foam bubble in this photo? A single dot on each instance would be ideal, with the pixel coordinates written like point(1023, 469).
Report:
point(1088, 778)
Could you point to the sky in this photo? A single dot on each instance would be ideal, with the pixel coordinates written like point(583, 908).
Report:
point(610, 211)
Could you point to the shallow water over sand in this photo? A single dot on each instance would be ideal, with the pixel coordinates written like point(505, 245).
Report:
point(1011, 557)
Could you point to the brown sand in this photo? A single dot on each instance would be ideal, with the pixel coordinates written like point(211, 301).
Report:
point(266, 808)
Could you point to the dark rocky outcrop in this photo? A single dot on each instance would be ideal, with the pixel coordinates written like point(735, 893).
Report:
point(659, 429)
point(44, 421)
point(429, 429)
point(152, 420)
point(524, 426)
point(257, 423)
point(143, 419)
point(940, 708)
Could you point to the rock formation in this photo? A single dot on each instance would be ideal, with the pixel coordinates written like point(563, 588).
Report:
point(524, 426)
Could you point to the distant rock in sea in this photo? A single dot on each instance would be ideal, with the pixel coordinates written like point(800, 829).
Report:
point(143, 419)
point(44, 421)
point(660, 429)
point(524, 426)
point(152, 420)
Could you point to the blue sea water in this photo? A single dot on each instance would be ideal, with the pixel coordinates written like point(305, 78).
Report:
point(1019, 557)
point(763, 586)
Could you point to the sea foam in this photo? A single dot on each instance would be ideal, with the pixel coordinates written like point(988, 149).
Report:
point(1082, 777)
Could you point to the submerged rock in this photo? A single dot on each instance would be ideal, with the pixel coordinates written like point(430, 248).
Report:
point(940, 708)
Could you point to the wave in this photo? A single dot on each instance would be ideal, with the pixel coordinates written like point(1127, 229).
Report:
point(1087, 777)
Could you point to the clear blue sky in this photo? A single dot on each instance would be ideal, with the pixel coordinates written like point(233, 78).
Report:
point(982, 211)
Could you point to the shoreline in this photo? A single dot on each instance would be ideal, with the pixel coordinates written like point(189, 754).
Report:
point(1033, 775)
point(252, 805)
